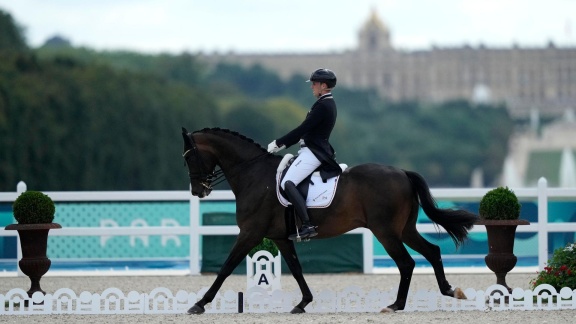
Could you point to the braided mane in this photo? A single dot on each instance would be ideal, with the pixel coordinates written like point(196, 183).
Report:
point(230, 132)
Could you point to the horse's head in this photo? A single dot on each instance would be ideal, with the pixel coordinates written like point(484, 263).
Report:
point(200, 166)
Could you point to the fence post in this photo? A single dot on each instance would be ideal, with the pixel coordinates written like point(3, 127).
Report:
point(20, 188)
point(542, 223)
point(194, 235)
point(368, 247)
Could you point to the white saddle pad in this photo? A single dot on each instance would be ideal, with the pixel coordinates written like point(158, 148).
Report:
point(320, 194)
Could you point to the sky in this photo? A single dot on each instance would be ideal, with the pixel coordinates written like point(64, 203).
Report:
point(291, 26)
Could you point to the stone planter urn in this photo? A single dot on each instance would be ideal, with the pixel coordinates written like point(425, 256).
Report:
point(501, 236)
point(34, 244)
point(34, 212)
point(500, 212)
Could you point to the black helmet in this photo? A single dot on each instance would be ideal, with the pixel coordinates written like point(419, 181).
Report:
point(324, 76)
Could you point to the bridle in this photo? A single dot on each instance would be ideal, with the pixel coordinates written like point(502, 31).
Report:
point(206, 179)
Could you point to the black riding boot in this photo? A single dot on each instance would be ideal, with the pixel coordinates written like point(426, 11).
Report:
point(307, 230)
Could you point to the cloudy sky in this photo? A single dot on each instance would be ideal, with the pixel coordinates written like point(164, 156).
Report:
point(291, 25)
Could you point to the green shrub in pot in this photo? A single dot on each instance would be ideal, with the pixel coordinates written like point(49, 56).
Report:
point(500, 204)
point(33, 207)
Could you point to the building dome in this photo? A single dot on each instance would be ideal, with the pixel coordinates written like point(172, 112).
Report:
point(374, 34)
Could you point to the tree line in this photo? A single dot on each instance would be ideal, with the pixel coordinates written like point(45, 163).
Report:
point(79, 119)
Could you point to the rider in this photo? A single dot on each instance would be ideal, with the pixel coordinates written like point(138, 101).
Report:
point(315, 150)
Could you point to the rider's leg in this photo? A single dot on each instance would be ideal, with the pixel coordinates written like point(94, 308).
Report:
point(302, 167)
point(307, 230)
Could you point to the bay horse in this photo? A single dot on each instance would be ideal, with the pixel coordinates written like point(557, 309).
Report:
point(381, 198)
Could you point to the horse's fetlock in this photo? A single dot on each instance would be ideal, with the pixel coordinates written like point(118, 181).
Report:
point(307, 299)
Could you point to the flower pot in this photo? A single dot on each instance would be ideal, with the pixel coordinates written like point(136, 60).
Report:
point(500, 258)
point(34, 243)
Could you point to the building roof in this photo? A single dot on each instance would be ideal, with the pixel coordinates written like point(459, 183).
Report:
point(374, 22)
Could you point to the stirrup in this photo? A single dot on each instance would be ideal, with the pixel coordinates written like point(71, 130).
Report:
point(306, 236)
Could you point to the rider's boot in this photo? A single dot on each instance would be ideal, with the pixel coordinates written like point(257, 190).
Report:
point(307, 230)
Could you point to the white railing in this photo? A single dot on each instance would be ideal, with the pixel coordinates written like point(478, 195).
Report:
point(542, 194)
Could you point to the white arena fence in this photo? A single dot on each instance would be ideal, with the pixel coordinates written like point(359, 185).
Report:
point(257, 300)
point(541, 194)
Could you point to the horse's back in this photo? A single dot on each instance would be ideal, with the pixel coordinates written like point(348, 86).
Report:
point(374, 174)
point(373, 183)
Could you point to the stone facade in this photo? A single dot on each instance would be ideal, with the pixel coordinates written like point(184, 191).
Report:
point(524, 78)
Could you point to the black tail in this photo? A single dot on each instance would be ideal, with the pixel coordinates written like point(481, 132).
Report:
point(456, 222)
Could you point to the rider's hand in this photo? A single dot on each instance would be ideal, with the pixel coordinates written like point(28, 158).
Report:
point(273, 148)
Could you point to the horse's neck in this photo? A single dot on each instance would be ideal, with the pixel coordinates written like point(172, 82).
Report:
point(233, 155)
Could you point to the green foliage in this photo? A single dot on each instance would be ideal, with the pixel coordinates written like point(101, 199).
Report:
point(111, 120)
point(105, 129)
point(267, 245)
point(560, 270)
point(33, 207)
point(11, 35)
point(254, 81)
point(500, 204)
point(444, 142)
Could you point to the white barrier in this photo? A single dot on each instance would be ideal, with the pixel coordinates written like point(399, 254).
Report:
point(258, 300)
point(542, 194)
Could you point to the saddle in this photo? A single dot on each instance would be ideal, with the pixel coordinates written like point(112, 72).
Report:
point(318, 194)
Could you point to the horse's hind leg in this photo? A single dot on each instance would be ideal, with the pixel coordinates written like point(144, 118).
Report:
point(398, 252)
point(288, 251)
point(433, 254)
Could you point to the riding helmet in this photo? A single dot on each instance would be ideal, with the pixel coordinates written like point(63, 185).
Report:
point(324, 76)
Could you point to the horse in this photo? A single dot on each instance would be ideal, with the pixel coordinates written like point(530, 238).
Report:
point(383, 199)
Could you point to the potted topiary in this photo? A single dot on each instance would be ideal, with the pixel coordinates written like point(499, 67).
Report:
point(500, 213)
point(34, 212)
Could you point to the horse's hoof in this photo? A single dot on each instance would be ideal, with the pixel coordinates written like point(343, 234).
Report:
point(390, 309)
point(196, 310)
point(297, 310)
point(459, 294)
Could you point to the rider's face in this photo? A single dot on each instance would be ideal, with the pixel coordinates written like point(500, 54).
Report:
point(316, 88)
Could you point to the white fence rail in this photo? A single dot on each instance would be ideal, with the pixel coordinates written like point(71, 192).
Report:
point(542, 194)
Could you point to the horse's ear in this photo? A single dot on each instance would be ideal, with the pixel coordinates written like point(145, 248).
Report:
point(187, 142)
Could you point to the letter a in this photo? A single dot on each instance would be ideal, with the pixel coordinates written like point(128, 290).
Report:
point(263, 279)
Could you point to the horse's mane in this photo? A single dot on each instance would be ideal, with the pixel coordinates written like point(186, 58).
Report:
point(230, 132)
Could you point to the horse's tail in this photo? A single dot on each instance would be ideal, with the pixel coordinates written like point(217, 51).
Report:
point(456, 222)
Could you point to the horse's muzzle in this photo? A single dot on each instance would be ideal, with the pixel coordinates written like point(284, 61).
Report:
point(205, 192)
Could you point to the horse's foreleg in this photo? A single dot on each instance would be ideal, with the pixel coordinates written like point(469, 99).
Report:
point(239, 251)
point(288, 251)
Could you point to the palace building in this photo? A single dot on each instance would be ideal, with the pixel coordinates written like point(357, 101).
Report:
point(525, 79)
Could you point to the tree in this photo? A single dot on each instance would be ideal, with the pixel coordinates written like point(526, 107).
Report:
point(11, 35)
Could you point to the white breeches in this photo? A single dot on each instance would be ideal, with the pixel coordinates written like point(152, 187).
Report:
point(304, 164)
